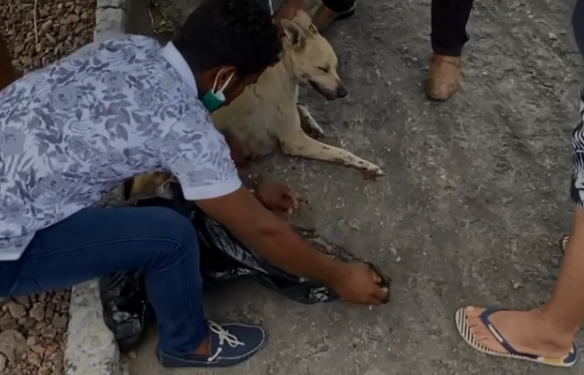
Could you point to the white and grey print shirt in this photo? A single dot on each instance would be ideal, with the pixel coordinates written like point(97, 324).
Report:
point(80, 127)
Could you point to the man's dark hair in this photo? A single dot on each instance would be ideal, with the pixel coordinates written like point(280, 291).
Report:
point(230, 32)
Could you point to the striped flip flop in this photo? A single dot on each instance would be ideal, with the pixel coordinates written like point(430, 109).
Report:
point(463, 329)
point(564, 243)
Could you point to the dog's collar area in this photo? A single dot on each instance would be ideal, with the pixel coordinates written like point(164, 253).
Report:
point(175, 58)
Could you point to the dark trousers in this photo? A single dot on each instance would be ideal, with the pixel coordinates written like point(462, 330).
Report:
point(449, 18)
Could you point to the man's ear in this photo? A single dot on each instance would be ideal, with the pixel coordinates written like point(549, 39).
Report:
point(226, 75)
point(294, 33)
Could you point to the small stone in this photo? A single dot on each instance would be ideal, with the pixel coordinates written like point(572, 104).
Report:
point(26, 61)
point(37, 312)
point(64, 307)
point(24, 301)
point(60, 321)
point(49, 332)
point(46, 26)
point(34, 359)
point(38, 349)
point(29, 323)
point(16, 310)
point(50, 310)
point(31, 341)
point(132, 355)
point(72, 18)
point(51, 38)
point(52, 348)
point(79, 28)
point(517, 285)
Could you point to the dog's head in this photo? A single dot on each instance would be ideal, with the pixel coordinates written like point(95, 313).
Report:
point(311, 56)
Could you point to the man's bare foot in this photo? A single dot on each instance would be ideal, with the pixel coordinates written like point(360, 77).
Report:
point(526, 331)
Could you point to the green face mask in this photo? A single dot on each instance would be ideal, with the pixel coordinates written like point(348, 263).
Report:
point(214, 98)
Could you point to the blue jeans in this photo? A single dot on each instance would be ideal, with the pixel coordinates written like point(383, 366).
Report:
point(97, 241)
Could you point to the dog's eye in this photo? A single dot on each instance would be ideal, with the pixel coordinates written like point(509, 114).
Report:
point(326, 70)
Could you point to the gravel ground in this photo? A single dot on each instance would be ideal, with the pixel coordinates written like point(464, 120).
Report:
point(60, 28)
point(33, 328)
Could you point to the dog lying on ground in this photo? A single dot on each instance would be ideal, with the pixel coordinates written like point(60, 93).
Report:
point(267, 116)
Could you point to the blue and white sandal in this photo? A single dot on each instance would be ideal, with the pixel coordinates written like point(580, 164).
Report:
point(462, 327)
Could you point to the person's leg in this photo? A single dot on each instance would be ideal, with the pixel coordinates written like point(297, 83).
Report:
point(331, 10)
point(545, 333)
point(9, 73)
point(159, 241)
point(548, 331)
point(449, 19)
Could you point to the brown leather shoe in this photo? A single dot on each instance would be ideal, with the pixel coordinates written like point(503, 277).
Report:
point(323, 17)
point(443, 78)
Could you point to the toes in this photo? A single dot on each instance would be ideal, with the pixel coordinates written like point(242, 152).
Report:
point(479, 331)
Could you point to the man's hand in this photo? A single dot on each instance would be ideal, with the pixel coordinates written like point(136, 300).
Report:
point(357, 283)
point(277, 197)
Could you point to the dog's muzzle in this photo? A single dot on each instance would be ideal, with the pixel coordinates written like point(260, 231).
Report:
point(339, 92)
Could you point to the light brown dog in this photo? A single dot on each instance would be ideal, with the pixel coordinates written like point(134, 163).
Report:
point(267, 116)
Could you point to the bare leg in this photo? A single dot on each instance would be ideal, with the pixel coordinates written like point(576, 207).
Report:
point(9, 73)
point(548, 330)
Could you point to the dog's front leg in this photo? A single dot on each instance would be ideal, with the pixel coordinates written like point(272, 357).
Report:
point(300, 144)
point(311, 125)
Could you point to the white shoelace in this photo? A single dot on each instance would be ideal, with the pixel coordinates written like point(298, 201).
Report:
point(224, 337)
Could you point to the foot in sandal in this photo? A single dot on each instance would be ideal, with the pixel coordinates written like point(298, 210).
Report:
point(521, 335)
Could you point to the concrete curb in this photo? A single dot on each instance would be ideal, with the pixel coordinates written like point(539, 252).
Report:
point(90, 348)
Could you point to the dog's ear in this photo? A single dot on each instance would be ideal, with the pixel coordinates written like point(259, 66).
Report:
point(313, 29)
point(294, 33)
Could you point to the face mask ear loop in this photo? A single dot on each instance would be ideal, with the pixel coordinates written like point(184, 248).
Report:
point(222, 89)
point(215, 83)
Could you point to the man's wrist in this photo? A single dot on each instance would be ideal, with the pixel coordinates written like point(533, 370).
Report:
point(334, 270)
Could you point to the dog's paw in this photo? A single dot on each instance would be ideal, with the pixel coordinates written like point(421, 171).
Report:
point(316, 131)
point(372, 172)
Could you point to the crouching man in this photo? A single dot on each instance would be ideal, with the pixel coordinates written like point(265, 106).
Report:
point(126, 106)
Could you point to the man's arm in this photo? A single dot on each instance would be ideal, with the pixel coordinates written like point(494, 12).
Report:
point(202, 164)
point(271, 237)
point(198, 156)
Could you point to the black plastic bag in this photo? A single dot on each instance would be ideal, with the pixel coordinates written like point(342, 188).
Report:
point(222, 257)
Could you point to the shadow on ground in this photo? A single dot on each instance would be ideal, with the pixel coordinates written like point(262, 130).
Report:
point(473, 203)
